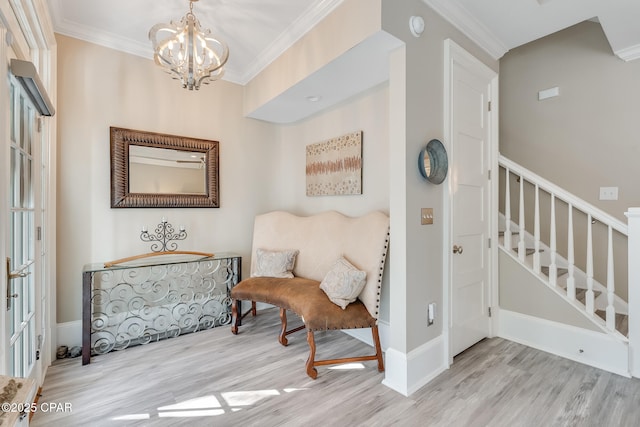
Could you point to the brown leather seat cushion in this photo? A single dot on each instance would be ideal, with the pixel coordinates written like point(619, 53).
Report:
point(305, 298)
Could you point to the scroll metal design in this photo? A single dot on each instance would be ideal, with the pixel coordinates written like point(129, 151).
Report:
point(140, 305)
point(164, 237)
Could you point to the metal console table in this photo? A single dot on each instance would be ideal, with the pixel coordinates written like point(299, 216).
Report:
point(151, 299)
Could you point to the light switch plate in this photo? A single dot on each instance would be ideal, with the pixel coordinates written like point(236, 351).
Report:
point(426, 216)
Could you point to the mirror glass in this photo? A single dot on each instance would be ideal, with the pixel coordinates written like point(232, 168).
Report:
point(166, 171)
point(427, 164)
point(157, 170)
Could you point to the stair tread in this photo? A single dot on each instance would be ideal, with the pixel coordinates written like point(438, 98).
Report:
point(528, 251)
point(561, 270)
point(622, 321)
point(581, 295)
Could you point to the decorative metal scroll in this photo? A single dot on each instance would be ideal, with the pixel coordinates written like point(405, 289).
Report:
point(140, 305)
point(165, 237)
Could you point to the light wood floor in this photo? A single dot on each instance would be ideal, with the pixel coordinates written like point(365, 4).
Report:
point(213, 378)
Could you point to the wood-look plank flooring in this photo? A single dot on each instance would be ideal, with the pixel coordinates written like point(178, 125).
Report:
point(213, 378)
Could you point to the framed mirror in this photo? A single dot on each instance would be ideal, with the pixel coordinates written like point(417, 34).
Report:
point(433, 162)
point(152, 170)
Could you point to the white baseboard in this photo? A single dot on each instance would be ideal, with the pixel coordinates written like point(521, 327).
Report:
point(365, 336)
point(69, 334)
point(408, 372)
point(581, 345)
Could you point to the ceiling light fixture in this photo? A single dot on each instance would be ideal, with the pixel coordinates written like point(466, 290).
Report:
point(190, 54)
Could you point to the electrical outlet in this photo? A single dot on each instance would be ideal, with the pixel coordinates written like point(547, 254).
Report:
point(431, 313)
point(608, 193)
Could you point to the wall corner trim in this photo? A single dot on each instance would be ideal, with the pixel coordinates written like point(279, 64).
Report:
point(406, 373)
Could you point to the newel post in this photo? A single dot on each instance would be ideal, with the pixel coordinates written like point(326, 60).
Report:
point(633, 221)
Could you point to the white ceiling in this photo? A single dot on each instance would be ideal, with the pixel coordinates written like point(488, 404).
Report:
point(258, 31)
point(501, 25)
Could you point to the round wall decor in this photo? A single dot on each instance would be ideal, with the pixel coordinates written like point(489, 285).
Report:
point(433, 162)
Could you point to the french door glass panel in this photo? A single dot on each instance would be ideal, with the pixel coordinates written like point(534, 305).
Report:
point(21, 306)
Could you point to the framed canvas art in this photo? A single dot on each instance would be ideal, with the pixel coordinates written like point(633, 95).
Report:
point(334, 167)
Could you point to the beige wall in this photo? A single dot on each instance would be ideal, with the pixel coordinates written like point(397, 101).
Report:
point(98, 88)
point(348, 25)
point(367, 112)
point(262, 165)
point(587, 137)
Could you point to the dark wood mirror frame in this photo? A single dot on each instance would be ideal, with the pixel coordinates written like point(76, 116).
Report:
point(121, 139)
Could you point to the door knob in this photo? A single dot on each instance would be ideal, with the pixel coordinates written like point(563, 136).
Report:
point(457, 249)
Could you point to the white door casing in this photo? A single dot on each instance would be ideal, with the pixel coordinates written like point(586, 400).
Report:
point(472, 143)
point(26, 33)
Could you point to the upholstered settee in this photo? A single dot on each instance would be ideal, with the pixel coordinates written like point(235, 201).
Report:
point(329, 256)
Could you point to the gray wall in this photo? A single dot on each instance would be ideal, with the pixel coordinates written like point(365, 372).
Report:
point(423, 121)
point(588, 136)
point(582, 140)
point(523, 293)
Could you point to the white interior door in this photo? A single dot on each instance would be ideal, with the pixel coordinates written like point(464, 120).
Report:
point(470, 145)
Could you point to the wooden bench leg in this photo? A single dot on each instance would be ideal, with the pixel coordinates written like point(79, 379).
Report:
point(311, 371)
point(235, 320)
point(283, 332)
point(376, 343)
point(236, 314)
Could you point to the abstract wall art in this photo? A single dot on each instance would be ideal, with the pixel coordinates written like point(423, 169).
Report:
point(334, 167)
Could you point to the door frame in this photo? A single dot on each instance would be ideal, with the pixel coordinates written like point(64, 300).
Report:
point(38, 45)
point(452, 51)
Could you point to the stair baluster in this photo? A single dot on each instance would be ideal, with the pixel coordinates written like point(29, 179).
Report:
point(507, 210)
point(611, 311)
point(553, 268)
point(536, 233)
point(571, 282)
point(522, 249)
point(589, 297)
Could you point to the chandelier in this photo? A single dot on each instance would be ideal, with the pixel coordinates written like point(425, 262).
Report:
point(187, 52)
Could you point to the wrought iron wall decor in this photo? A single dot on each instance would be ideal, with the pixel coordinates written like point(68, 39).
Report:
point(164, 239)
point(128, 306)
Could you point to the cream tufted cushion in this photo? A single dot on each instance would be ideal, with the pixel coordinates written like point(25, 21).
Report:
point(343, 283)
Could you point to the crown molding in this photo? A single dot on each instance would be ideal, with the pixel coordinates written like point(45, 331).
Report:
point(459, 17)
point(103, 38)
point(629, 53)
point(292, 34)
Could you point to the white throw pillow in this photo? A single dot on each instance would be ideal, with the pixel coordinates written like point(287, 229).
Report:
point(275, 263)
point(343, 283)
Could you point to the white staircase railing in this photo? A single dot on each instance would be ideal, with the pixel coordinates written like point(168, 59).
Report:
point(633, 216)
point(532, 186)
